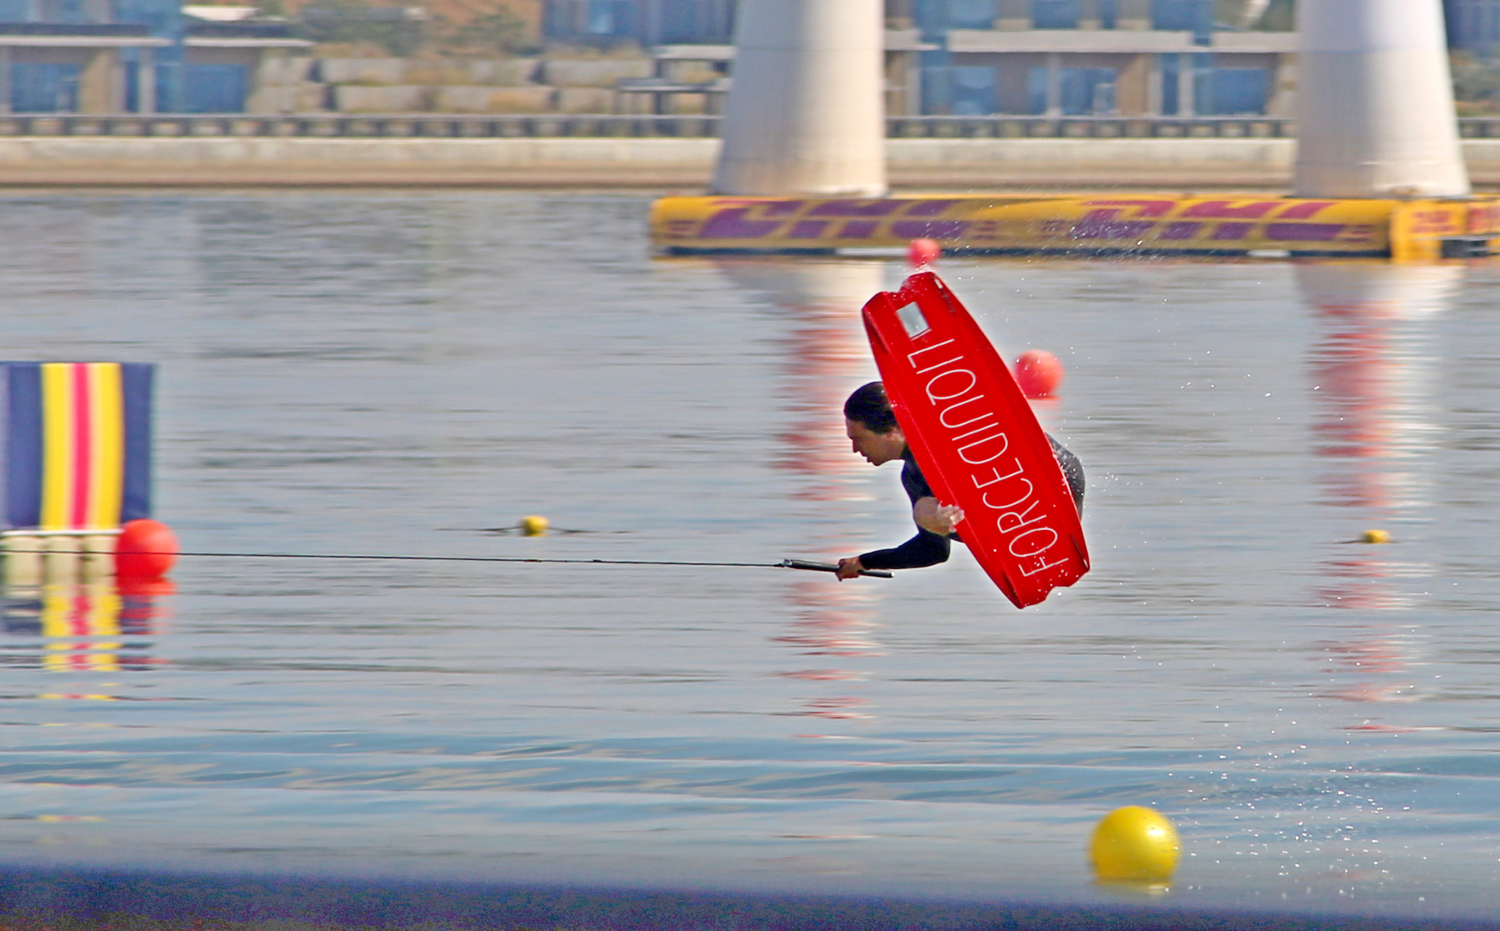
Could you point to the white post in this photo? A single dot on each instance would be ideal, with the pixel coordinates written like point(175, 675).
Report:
point(1187, 85)
point(5, 89)
point(1054, 86)
point(1375, 110)
point(1154, 89)
point(806, 107)
point(145, 82)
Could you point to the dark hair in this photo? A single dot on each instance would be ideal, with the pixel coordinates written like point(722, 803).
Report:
point(869, 406)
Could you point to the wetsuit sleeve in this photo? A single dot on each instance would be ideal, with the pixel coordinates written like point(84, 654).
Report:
point(924, 549)
point(1072, 471)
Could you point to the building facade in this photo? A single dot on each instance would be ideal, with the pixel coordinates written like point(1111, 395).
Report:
point(1034, 57)
point(129, 56)
point(1056, 58)
point(1089, 58)
point(647, 22)
point(1473, 25)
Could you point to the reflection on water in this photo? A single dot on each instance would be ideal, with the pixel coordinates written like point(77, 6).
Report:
point(1375, 372)
point(1374, 368)
point(81, 628)
point(395, 372)
point(826, 358)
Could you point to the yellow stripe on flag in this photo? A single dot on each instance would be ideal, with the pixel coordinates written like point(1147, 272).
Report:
point(107, 469)
point(57, 444)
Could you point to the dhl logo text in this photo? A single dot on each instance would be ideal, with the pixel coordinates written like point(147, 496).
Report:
point(1110, 223)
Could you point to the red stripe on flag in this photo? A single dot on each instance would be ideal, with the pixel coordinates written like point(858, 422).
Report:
point(82, 451)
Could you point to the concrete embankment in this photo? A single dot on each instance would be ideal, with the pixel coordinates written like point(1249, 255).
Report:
point(1071, 163)
point(680, 164)
point(109, 160)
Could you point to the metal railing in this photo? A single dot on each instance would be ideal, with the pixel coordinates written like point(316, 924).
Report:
point(1086, 127)
point(451, 126)
point(358, 126)
point(1479, 127)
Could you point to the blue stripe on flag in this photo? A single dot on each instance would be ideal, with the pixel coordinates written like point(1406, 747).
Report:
point(23, 444)
point(137, 383)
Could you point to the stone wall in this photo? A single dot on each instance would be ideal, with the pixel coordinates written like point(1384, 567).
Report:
point(400, 85)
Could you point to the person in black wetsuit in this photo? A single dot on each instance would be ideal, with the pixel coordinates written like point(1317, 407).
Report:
point(871, 427)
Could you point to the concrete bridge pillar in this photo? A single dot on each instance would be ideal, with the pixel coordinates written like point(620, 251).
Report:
point(1375, 114)
point(806, 110)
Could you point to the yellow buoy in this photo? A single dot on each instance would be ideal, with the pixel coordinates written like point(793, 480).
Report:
point(1375, 536)
point(1134, 843)
point(534, 526)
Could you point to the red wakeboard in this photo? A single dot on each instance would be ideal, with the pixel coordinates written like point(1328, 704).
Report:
point(976, 440)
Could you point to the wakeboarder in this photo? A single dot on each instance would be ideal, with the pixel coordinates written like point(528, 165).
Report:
point(874, 433)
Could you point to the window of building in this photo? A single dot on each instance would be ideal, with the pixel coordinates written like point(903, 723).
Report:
point(1234, 92)
point(938, 15)
point(649, 22)
point(971, 14)
point(132, 71)
point(610, 17)
point(164, 17)
point(171, 95)
point(1472, 24)
point(973, 91)
point(1183, 15)
point(218, 88)
point(1080, 91)
point(62, 11)
point(958, 90)
point(44, 87)
point(1054, 14)
point(690, 21)
point(1171, 76)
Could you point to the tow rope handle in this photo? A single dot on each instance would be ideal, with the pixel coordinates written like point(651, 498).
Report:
point(830, 567)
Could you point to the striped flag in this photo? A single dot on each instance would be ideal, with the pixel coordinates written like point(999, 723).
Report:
point(75, 451)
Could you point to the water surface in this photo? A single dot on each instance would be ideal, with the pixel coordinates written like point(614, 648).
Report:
point(410, 373)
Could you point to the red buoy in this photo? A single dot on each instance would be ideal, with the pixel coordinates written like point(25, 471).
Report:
point(145, 550)
point(1038, 373)
point(923, 252)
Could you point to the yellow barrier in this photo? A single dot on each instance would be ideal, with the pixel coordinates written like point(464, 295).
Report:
point(1099, 225)
point(1426, 229)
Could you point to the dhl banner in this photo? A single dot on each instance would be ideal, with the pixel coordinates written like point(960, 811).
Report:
point(1099, 225)
point(1420, 229)
point(75, 448)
